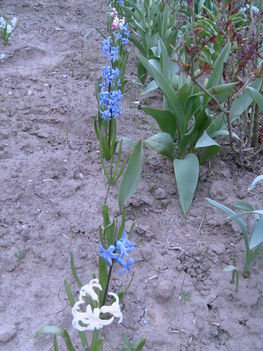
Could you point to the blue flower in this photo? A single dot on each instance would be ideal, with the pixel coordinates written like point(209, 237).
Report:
point(110, 51)
point(106, 47)
point(123, 34)
point(118, 252)
point(121, 2)
point(111, 76)
point(108, 255)
point(124, 245)
point(104, 97)
point(126, 265)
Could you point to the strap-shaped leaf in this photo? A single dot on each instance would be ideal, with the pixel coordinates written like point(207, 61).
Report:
point(52, 329)
point(186, 174)
point(166, 87)
point(255, 181)
point(218, 70)
point(257, 234)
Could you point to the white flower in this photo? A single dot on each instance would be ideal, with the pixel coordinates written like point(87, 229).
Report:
point(9, 29)
point(114, 309)
point(2, 22)
point(90, 320)
point(88, 290)
point(13, 22)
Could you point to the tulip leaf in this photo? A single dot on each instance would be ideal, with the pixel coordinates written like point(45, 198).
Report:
point(186, 174)
point(175, 105)
point(255, 181)
point(165, 119)
point(150, 87)
point(161, 143)
point(132, 175)
point(257, 234)
point(208, 146)
point(242, 102)
point(257, 97)
point(218, 70)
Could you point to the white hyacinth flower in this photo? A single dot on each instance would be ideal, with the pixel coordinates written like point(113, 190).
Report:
point(88, 290)
point(90, 320)
point(114, 308)
point(13, 22)
point(2, 22)
point(9, 29)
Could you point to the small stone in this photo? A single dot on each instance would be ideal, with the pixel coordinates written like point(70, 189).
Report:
point(7, 332)
point(218, 248)
point(219, 190)
point(160, 194)
point(164, 290)
point(144, 232)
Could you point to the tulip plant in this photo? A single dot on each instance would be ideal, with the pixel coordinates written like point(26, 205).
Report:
point(198, 69)
point(254, 239)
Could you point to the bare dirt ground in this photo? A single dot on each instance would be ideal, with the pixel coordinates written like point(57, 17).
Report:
point(52, 188)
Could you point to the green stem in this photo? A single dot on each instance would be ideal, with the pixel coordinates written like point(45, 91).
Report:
point(107, 285)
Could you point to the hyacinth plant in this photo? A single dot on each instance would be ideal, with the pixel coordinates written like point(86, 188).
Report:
point(96, 306)
point(7, 28)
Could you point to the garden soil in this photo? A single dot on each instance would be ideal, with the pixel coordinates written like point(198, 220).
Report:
point(52, 188)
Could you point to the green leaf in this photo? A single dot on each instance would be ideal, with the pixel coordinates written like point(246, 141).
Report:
point(103, 277)
point(230, 213)
point(150, 87)
point(128, 142)
point(257, 97)
point(218, 70)
point(73, 271)
point(210, 147)
point(52, 329)
point(255, 181)
point(257, 234)
point(242, 102)
point(243, 206)
point(166, 87)
point(161, 143)
point(123, 293)
point(69, 293)
point(55, 344)
point(141, 345)
point(165, 119)
point(132, 175)
point(186, 174)
point(141, 73)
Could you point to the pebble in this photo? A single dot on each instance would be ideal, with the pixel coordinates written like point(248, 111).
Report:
point(164, 290)
point(160, 194)
point(7, 332)
point(218, 248)
point(219, 190)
